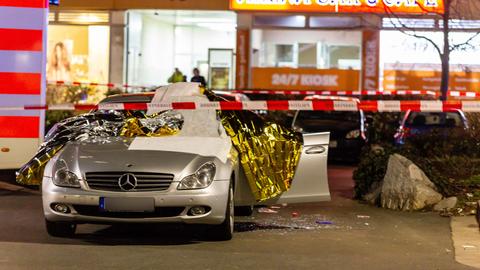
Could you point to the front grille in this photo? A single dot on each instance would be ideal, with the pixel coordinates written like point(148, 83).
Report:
point(108, 181)
point(94, 211)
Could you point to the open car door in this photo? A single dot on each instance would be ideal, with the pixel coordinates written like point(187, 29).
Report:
point(311, 179)
point(310, 183)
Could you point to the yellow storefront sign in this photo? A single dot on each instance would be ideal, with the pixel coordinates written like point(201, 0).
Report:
point(430, 80)
point(305, 79)
point(341, 6)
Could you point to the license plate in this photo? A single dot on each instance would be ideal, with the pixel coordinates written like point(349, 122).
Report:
point(333, 144)
point(127, 204)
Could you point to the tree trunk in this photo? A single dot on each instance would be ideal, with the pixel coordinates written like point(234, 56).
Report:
point(445, 56)
point(445, 77)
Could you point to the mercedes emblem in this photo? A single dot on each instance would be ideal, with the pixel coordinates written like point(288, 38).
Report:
point(127, 182)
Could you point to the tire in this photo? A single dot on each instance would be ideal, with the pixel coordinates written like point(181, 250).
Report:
point(244, 211)
point(60, 229)
point(224, 231)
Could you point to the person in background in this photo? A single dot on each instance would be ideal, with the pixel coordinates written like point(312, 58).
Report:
point(176, 77)
point(198, 78)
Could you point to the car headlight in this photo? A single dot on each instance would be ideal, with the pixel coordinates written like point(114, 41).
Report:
point(202, 178)
point(65, 178)
point(353, 134)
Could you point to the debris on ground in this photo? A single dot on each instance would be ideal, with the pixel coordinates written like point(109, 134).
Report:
point(363, 217)
point(267, 210)
point(295, 214)
point(446, 204)
point(324, 222)
point(467, 247)
point(283, 223)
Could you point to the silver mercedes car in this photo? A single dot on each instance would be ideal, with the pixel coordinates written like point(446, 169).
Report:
point(193, 177)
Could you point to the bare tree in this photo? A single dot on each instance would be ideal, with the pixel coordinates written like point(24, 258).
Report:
point(454, 10)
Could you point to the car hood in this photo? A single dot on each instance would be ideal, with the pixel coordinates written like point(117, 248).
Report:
point(115, 156)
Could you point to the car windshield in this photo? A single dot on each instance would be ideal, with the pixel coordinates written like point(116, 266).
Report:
point(429, 119)
point(320, 121)
point(140, 98)
point(353, 117)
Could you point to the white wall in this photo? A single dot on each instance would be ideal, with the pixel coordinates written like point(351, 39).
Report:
point(98, 53)
point(192, 44)
point(156, 60)
point(163, 45)
point(134, 39)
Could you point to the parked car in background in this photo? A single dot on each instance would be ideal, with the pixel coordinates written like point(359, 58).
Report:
point(229, 96)
point(348, 133)
point(420, 123)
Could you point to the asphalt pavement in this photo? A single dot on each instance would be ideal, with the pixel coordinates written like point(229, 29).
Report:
point(341, 234)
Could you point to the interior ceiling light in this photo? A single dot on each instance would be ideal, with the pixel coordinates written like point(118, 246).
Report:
point(207, 20)
point(219, 26)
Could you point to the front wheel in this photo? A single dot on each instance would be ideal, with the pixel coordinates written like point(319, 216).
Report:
point(60, 229)
point(224, 231)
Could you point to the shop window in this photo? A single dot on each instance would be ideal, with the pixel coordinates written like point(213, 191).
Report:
point(344, 57)
point(284, 54)
point(280, 21)
point(307, 55)
point(334, 22)
point(408, 23)
point(80, 17)
point(51, 16)
point(306, 49)
point(462, 24)
point(77, 53)
point(158, 41)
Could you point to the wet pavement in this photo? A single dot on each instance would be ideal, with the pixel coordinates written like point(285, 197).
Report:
point(341, 234)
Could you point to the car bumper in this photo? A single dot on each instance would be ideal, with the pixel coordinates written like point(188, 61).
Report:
point(171, 206)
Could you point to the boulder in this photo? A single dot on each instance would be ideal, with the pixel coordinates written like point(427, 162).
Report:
point(445, 204)
point(406, 187)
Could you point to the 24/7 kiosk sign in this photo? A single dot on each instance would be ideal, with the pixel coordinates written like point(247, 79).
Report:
point(341, 6)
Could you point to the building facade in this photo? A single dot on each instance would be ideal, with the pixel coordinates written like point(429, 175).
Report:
point(296, 45)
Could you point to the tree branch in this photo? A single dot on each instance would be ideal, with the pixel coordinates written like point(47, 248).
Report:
point(412, 32)
point(463, 44)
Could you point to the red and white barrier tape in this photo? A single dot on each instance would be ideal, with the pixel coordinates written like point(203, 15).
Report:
point(360, 93)
point(470, 94)
point(339, 93)
point(84, 84)
point(274, 105)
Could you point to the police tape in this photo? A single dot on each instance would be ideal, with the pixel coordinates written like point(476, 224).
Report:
point(93, 84)
point(470, 94)
point(337, 93)
point(273, 105)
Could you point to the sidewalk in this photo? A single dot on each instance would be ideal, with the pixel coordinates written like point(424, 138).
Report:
point(466, 240)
